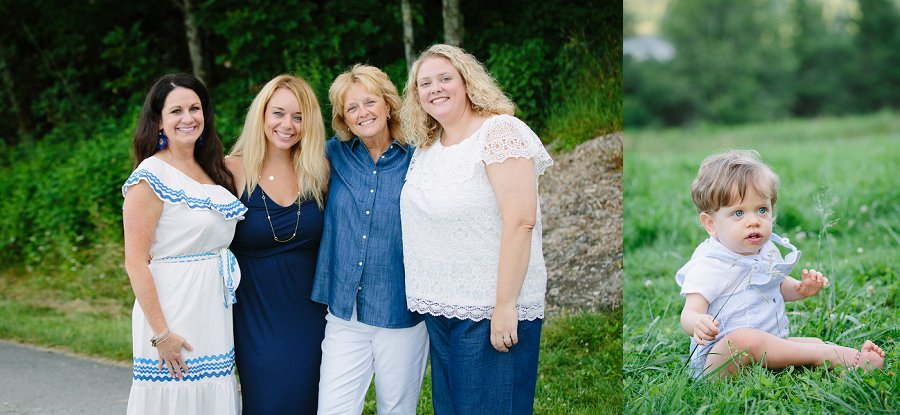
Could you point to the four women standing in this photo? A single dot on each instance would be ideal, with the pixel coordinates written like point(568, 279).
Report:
point(467, 256)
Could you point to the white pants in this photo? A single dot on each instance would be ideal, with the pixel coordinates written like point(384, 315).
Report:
point(352, 352)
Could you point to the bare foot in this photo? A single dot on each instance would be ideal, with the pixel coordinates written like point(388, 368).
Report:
point(870, 357)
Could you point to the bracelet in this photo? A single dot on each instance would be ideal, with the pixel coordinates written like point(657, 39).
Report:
point(159, 338)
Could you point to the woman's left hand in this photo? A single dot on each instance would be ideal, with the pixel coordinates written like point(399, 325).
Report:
point(504, 323)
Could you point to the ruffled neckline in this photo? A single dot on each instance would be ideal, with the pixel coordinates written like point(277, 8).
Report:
point(173, 186)
point(763, 267)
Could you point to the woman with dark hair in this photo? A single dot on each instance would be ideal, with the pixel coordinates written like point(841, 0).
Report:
point(180, 211)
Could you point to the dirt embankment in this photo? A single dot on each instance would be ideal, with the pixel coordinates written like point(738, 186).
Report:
point(581, 205)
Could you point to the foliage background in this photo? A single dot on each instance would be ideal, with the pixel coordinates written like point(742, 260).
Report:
point(757, 60)
point(78, 75)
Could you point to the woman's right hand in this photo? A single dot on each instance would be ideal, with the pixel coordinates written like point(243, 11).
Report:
point(705, 329)
point(170, 355)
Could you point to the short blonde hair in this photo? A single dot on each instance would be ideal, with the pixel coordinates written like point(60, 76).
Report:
point(308, 154)
point(375, 81)
point(485, 96)
point(724, 178)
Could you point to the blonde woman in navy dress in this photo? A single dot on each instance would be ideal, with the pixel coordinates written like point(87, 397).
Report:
point(281, 173)
point(180, 210)
point(472, 235)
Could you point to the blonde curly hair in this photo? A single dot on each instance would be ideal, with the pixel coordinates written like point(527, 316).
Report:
point(375, 81)
point(308, 154)
point(485, 96)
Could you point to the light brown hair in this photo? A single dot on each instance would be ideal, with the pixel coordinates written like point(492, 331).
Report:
point(724, 178)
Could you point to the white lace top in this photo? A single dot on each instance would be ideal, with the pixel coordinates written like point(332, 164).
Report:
point(452, 226)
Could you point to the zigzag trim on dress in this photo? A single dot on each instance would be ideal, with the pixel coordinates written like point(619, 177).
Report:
point(232, 210)
point(190, 377)
point(209, 358)
point(211, 366)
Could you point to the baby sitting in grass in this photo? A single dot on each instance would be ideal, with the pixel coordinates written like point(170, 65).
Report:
point(736, 282)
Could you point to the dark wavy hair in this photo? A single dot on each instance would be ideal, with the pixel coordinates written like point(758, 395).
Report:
point(210, 156)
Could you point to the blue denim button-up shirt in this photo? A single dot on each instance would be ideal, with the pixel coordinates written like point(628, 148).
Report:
point(361, 254)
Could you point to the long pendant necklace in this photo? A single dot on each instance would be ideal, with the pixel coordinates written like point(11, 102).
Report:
point(269, 218)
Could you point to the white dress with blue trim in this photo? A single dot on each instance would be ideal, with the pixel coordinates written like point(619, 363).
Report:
point(195, 276)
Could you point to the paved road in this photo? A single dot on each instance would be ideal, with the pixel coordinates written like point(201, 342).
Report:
point(39, 381)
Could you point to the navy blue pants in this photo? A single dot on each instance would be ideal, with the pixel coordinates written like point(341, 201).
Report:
point(468, 376)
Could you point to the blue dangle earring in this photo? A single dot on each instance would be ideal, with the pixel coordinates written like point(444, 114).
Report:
point(163, 140)
point(200, 141)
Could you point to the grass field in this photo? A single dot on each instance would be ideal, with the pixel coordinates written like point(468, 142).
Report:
point(839, 202)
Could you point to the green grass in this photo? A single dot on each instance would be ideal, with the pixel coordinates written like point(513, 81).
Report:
point(838, 203)
point(71, 327)
point(590, 112)
point(579, 372)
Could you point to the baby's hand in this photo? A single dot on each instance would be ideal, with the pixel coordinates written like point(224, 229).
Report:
point(811, 282)
point(705, 329)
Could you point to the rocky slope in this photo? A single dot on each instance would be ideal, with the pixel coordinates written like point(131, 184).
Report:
point(581, 204)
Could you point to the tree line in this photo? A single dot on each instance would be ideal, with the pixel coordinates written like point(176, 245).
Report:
point(64, 62)
point(73, 75)
point(760, 60)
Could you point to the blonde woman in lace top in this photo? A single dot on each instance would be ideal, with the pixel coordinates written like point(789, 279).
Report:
point(472, 234)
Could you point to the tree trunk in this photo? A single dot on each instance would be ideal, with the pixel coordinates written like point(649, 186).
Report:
point(195, 42)
point(453, 23)
point(407, 33)
point(16, 108)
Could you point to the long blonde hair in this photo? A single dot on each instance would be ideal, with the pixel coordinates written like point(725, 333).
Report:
point(375, 81)
point(485, 96)
point(308, 154)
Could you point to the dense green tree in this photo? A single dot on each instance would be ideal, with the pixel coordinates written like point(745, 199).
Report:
point(73, 76)
point(654, 97)
point(825, 61)
point(878, 80)
point(541, 60)
point(767, 59)
point(732, 56)
point(73, 63)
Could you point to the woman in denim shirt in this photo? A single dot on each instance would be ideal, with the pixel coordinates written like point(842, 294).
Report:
point(360, 274)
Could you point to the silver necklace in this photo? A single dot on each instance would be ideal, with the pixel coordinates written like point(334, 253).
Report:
point(269, 218)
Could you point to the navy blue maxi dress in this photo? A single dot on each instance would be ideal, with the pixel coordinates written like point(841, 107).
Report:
point(278, 330)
